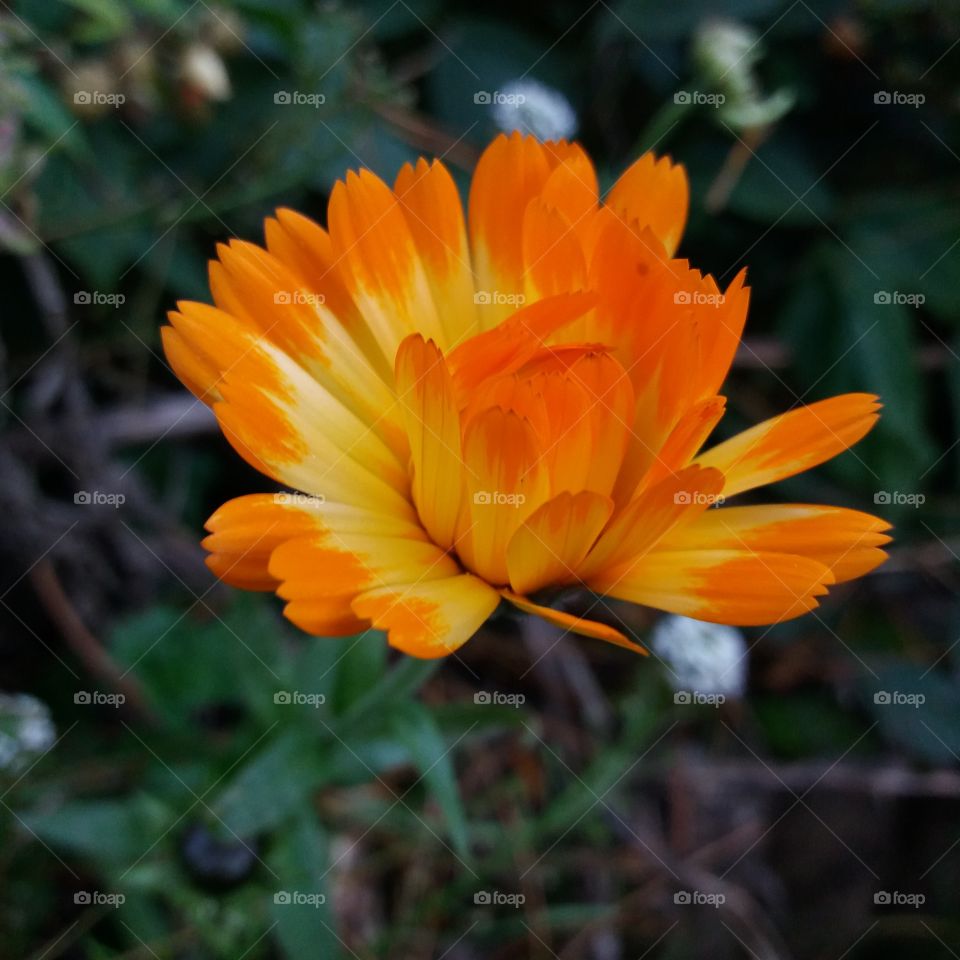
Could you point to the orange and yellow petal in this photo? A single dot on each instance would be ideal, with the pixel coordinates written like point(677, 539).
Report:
point(736, 587)
point(846, 541)
point(571, 624)
point(792, 442)
point(426, 391)
point(429, 618)
point(549, 545)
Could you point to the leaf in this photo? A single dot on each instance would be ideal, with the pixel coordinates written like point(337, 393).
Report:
point(300, 907)
point(273, 786)
point(417, 730)
point(102, 830)
point(360, 667)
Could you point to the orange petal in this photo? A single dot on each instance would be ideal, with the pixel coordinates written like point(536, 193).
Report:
point(380, 263)
point(735, 587)
point(637, 528)
point(505, 482)
point(429, 619)
point(793, 442)
point(571, 624)
point(426, 391)
point(431, 204)
point(508, 346)
point(549, 545)
point(325, 616)
point(552, 252)
point(686, 439)
point(653, 193)
point(331, 563)
point(510, 173)
point(847, 541)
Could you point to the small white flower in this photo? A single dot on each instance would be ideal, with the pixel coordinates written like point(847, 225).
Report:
point(26, 730)
point(707, 658)
point(532, 107)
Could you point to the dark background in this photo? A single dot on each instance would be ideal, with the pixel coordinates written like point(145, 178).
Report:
point(402, 802)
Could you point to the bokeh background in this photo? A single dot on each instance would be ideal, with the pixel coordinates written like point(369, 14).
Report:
point(183, 775)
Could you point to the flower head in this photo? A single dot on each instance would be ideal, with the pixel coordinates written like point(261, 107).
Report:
point(477, 408)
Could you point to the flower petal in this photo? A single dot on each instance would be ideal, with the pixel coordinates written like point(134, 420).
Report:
point(792, 442)
point(736, 587)
point(505, 482)
point(571, 624)
point(432, 618)
point(847, 541)
point(653, 193)
point(433, 428)
point(431, 203)
point(548, 546)
point(380, 263)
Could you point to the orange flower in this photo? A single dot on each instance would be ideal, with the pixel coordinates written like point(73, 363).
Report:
point(479, 408)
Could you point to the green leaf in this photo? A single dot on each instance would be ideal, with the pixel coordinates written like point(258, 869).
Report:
point(418, 731)
point(361, 665)
point(300, 906)
point(273, 786)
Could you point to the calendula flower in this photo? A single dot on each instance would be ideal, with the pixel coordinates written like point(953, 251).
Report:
point(484, 407)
